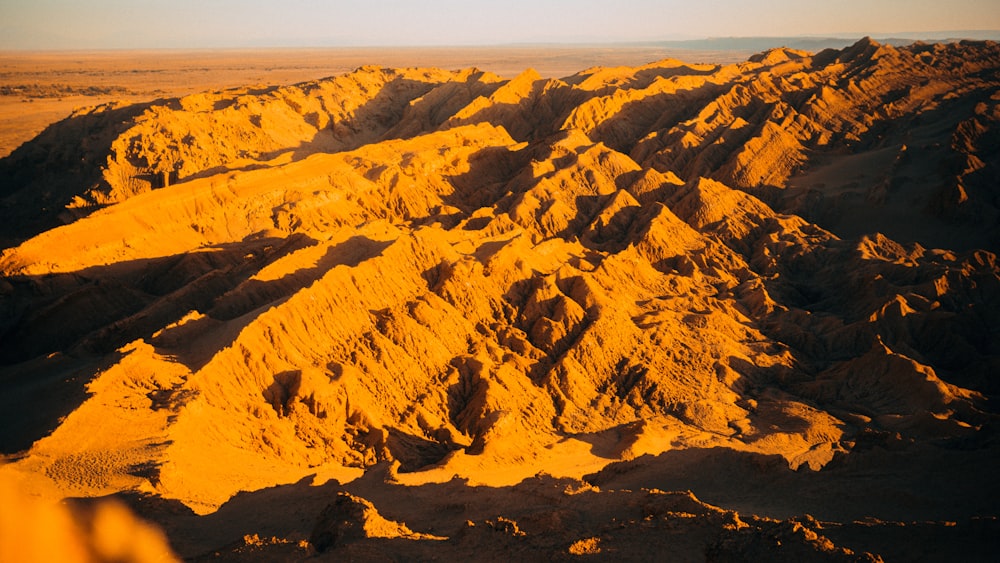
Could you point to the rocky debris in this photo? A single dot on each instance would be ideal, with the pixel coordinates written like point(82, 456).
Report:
point(349, 519)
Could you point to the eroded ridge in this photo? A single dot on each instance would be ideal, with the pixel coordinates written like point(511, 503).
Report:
point(452, 273)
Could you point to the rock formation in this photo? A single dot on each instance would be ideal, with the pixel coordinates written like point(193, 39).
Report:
point(789, 262)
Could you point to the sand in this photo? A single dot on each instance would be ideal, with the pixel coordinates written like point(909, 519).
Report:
point(670, 308)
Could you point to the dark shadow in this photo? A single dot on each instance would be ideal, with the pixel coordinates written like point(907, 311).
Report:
point(373, 121)
point(225, 169)
point(880, 483)
point(910, 195)
point(491, 169)
point(610, 444)
point(754, 377)
point(534, 117)
point(98, 309)
point(37, 394)
point(276, 511)
point(432, 110)
point(497, 178)
point(61, 329)
point(645, 77)
point(252, 294)
point(40, 178)
point(840, 296)
point(656, 113)
point(283, 391)
point(679, 503)
point(641, 79)
point(415, 452)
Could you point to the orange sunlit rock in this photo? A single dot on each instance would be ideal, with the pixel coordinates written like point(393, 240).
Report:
point(420, 312)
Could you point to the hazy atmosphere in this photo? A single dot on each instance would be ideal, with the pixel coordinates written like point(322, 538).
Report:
point(99, 24)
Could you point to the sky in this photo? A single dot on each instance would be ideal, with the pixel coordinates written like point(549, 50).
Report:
point(114, 24)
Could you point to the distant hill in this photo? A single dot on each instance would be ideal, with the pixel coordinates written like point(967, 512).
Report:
point(814, 43)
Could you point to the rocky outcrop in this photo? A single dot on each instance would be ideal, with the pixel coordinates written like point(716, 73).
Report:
point(465, 275)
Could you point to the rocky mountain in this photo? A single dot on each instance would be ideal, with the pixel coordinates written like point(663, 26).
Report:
point(504, 315)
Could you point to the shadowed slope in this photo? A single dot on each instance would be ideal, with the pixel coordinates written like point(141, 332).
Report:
point(462, 275)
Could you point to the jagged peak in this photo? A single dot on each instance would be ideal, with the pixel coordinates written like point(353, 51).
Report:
point(371, 69)
point(705, 201)
point(778, 55)
point(668, 62)
point(865, 43)
point(528, 76)
point(474, 74)
point(517, 88)
point(865, 49)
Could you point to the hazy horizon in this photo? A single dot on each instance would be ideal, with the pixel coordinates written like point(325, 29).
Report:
point(118, 24)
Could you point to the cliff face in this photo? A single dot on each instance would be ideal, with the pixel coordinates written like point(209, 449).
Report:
point(467, 275)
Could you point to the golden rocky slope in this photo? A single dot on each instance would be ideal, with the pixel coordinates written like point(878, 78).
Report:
point(426, 313)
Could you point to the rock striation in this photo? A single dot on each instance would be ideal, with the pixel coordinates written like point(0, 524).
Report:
point(791, 258)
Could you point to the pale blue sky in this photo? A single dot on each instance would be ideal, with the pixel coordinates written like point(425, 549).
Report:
point(88, 24)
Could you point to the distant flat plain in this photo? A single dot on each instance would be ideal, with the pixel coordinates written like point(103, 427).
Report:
point(39, 88)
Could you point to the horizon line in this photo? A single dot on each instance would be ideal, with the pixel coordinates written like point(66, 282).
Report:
point(914, 36)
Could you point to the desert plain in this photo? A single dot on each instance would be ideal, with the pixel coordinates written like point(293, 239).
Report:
point(501, 304)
